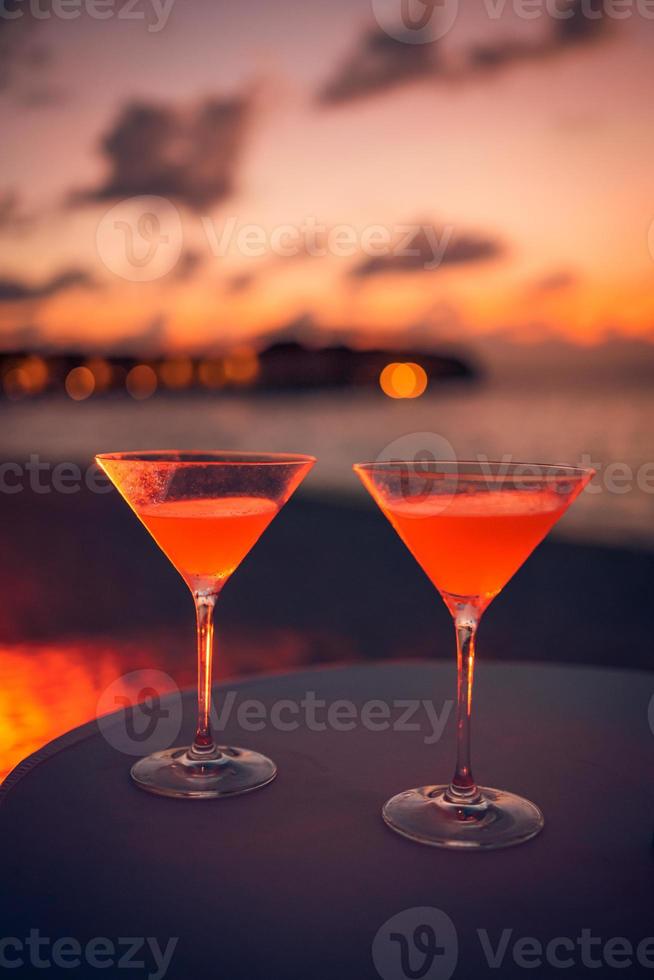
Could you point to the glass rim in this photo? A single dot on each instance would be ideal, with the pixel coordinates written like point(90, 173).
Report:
point(504, 469)
point(210, 457)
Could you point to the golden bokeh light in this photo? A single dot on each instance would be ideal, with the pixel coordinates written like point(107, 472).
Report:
point(242, 367)
point(421, 380)
point(141, 381)
point(403, 380)
point(28, 376)
point(16, 383)
point(37, 373)
point(80, 383)
point(177, 372)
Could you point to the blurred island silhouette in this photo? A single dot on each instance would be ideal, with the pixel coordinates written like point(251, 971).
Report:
point(284, 365)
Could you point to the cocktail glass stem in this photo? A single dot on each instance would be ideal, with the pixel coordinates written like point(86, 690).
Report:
point(463, 788)
point(204, 746)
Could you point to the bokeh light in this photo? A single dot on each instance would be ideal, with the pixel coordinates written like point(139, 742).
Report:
point(141, 381)
point(16, 383)
point(37, 373)
point(28, 376)
point(403, 380)
point(80, 383)
point(242, 367)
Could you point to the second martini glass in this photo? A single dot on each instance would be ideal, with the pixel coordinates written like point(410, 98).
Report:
point(470, 526)
point(205, 511)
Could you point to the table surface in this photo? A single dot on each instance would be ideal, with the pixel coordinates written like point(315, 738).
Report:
point(301, 878)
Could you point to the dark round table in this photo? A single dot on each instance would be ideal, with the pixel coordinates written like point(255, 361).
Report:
point(302, 879)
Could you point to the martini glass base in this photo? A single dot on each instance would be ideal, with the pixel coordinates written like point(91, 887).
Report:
point(176, 773)
point(499, 819)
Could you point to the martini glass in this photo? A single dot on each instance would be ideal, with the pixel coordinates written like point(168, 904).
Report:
point(470, 526)
point(205, 511)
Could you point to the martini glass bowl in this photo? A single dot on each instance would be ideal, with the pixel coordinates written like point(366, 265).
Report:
point(470, 526)
point(205, 511)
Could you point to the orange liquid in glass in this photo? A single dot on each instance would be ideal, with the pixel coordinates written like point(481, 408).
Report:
point(206, 539)
point(470, 545)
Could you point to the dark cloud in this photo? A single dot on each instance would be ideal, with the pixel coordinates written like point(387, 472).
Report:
point(18, 291)
point(189, 155)
point(501, 54)
point(241, 282)
point(580, 22)
point(430, 249)
point(187, 265)
point(381, 63)
point(586, 22)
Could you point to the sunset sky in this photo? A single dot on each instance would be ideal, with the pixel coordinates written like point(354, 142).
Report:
point(523, 148)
